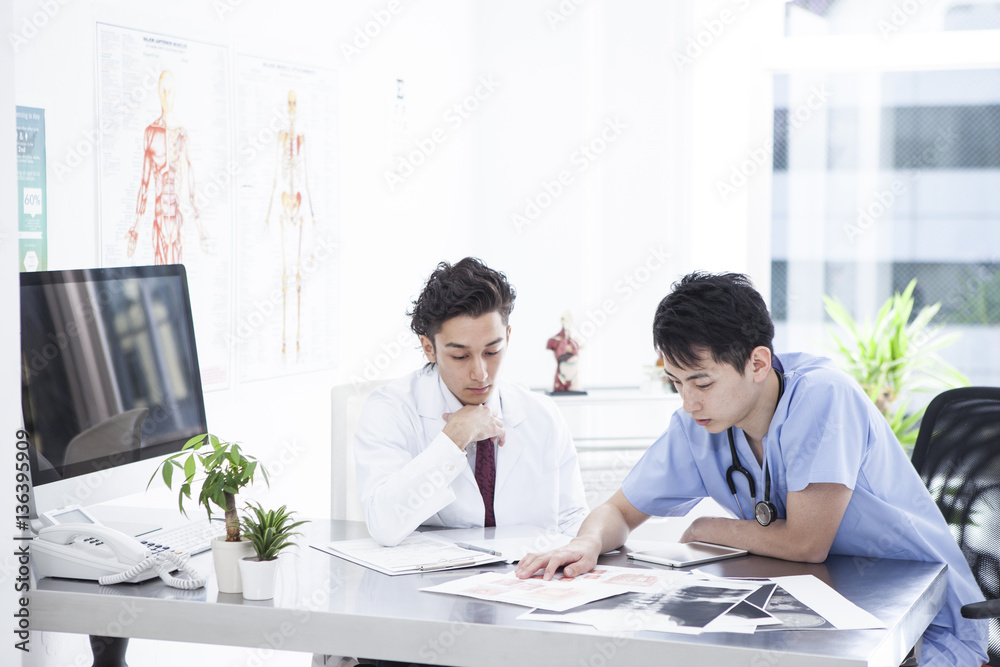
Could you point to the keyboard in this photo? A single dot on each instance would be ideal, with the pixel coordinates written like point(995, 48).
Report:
point(192, 538)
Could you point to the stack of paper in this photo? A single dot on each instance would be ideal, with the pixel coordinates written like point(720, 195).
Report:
point(617, 599)
point(553, 595)
point(417, 553)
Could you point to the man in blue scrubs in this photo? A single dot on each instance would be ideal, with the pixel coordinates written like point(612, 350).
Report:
point(816, 448)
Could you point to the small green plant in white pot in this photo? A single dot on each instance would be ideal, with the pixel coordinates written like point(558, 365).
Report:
point(227, 470)
point(270, 532)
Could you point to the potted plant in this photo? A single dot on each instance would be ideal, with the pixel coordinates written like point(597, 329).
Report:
point(226, 470)
point(895, 356)
point(269, 531)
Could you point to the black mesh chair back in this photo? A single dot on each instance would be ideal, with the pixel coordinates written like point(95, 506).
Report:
point(957, 454)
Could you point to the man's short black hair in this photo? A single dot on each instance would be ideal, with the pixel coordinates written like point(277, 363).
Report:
point(721, 313)
point(468, 288)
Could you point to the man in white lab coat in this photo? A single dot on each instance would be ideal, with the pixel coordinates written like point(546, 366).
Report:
point(450, 444)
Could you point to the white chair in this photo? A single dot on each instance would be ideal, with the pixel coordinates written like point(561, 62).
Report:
point(345, 412)
point(347, 400)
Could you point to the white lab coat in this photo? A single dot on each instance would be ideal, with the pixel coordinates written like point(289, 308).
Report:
point(409, 473)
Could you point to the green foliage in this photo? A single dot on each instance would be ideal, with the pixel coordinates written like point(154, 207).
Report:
point(226, 468)
point(893, 357)
point(269, 530)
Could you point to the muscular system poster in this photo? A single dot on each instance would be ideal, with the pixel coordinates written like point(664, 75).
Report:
point(164, 110)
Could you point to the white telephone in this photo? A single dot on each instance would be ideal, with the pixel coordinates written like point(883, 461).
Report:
point(93, 551)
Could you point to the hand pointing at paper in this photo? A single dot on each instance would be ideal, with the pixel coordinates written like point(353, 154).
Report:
point(605, 529)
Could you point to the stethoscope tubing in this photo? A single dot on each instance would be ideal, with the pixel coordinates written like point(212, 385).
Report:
point(737, 467)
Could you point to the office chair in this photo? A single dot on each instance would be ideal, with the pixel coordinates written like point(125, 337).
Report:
point(957, 454)
point(345, 411)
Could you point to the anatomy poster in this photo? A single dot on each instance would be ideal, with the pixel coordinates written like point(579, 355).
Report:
point(165, 172)
point(286, 206)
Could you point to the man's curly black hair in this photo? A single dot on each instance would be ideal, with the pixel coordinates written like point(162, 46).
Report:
point(468, 287)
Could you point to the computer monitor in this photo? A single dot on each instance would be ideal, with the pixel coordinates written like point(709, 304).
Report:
point(110, 379)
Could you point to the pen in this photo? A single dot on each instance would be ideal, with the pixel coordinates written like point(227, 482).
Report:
point(445, 564)
point(473, 547)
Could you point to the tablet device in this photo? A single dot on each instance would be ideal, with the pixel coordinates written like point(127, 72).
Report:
point(687, 554)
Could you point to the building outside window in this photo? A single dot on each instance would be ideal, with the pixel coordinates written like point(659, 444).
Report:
point(887, 169)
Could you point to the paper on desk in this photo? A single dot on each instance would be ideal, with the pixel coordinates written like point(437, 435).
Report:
point(559, 594)
point(635, 579)
point(687, 606)
point(840, 612)
point(416, 553)
point(804, 602)
point(736, 620)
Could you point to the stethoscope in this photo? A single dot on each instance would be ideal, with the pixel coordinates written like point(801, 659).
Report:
point(763, 510)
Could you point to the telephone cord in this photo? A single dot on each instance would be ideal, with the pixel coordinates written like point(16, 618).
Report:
point(159, 563)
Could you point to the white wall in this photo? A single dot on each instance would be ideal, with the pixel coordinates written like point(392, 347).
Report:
point(606, 245)
point(586, 133)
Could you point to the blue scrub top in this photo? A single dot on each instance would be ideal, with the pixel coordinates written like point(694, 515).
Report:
point(824, 429)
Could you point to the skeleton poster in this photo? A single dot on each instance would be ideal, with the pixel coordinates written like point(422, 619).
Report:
point(164, 179)
point(286, 206)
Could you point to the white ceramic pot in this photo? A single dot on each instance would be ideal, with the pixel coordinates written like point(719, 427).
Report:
point(258, 577)
point(226, 556)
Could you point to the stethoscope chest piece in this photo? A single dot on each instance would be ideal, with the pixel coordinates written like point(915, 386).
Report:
point(765, 512)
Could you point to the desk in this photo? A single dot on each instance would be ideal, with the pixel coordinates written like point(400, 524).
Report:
point(328, 605)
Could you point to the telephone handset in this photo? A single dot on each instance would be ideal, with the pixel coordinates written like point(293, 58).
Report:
point(93, 551)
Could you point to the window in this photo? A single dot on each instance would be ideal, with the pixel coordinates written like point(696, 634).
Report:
point(893, 175)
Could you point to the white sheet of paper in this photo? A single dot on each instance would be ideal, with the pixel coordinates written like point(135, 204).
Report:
point(730, 622)
point(726, 624)
point(828, 603)
point(636, 579)
point(556, 595)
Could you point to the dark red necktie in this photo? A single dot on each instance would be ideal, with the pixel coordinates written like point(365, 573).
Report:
point(486, 477)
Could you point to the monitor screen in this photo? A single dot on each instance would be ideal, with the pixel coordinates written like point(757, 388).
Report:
point(109, 368)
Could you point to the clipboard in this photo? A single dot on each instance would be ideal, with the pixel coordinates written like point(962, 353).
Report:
point(687, 554)
point(416, 553)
